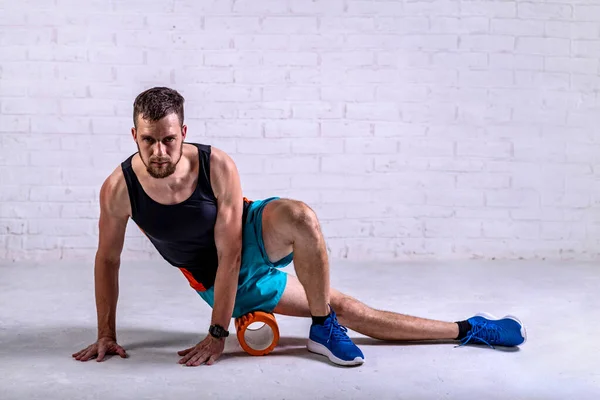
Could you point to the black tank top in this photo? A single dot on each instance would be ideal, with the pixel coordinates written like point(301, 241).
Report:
point(183, 233)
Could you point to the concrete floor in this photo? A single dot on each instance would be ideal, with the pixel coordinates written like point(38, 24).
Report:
point(47, 313)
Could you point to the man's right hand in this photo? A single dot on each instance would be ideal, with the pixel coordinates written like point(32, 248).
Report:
point(101, 348)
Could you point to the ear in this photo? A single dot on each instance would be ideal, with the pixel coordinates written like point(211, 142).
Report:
point(134, 134)
point(183, 132)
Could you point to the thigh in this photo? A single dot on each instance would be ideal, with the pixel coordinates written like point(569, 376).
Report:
point(277, 229)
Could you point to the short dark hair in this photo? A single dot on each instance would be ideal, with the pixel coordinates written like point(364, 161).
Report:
point(156, 103)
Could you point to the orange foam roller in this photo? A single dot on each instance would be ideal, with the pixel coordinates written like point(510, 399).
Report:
point(257, 341)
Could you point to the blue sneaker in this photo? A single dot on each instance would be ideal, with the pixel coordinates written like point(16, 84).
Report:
point(486, 329)
point(331, 340)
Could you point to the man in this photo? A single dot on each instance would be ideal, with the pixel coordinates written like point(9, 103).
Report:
point(187, 199)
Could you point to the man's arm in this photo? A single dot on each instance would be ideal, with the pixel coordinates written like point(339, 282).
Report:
point(228, 234)
point(112, 225)
point(114, 212)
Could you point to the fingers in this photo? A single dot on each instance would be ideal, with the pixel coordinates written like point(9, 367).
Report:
point(186, 351)
point(91, 352)
point(101, 354)
point(121, 351)
point(212, 359)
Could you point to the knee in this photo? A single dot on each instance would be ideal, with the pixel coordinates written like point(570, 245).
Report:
point(345, 306)
point(303, 218)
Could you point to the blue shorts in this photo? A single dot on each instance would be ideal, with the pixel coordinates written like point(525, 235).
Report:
point(261, 283)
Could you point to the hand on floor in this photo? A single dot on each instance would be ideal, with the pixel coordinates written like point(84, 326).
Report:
point(101, 348)
point(207, 351)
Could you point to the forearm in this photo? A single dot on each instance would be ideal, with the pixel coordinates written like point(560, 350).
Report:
point(106, 278)
point(226, 284)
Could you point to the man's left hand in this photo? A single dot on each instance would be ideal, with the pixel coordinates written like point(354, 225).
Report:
point(207, 351)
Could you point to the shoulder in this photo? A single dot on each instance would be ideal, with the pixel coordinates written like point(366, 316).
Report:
point(224, 175)
point(114, 197)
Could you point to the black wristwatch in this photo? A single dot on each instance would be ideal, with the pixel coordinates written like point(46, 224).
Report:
point(217, 331)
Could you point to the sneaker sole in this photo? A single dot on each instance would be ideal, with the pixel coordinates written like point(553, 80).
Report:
point(318, 348)
point(517, 320)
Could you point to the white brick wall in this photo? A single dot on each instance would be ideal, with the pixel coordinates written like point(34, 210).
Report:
point(416, 129)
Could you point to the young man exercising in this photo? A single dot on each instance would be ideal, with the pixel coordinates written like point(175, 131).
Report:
point(187, 199)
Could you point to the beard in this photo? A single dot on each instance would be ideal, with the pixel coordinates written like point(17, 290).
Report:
point(162, 170)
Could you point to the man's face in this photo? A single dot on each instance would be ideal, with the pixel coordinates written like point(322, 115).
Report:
point(160, 144)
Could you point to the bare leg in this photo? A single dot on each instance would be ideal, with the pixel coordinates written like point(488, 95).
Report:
point(290, 225)
point(378, 324)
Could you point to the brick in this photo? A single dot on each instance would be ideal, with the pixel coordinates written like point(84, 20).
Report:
point(297, 59)
point(532, 10)
point(53, 90)
point(542, 80)
point(14, 193)
point(502, 9)
point(398, 227)
point(317, 146)
point(78, 210)
point(61, 227)
point(291, 128)
point(434, 113)
point(364, 93)
point(543, 46)
point(30, 36)
point(187, 75)
point(516, 62)
point(452, 227)
point(345, 24)
point(479, 115)
point(264, 110)
point(318, 110)
point(58, 53)
point(54, 124)
point(25, 210)
point(572, 30)
point(207, 7)
point(75, 72)
point(585, 12)
point(456, 197)
point(344, 129)
point(482, 181)
point(442, 7)
point(347, 59)
point(290, 25)
point(250, 164)
point(372, 111)
point(582, 152)
point(532, 115)
point(346, 164)
point(62, 194)
point(370, 145)
point(231, 59)
point(398, 163)
point(462, 25)
point(262, 42)
point(111, 125)
point(75, 36)
point(415, 147)
point(454, 164)
point(286, 165)
point(487, 43)
point(561, 199)
point(253, 76)
point(511, 229)
point(266, 146)
point(460, 60)
point(512, 198)
point(390, 129)
point(401, 93)
point(57, 158)
point(443, 77)
point(290, 93)
point(517, 27)
point(12, 53)
point(13, 226)
point(402, 25)
point(539, 149)
point(95, 107)
point(571, 65)
point(407, 59)
point(14, 123)
point(231, 93)
point(586, 48)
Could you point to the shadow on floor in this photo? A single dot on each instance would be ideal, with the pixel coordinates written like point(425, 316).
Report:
point(154, 345)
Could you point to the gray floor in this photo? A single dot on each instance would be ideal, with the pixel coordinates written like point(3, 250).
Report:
point(47, 312)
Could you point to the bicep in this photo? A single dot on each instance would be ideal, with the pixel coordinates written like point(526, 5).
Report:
point(228, 191)
point(112, 226)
